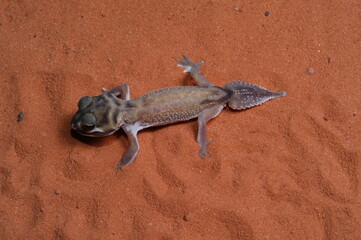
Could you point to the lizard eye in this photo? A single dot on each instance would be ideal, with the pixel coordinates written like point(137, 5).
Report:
point(87, 127)
point(84, 102)
point(87, 122)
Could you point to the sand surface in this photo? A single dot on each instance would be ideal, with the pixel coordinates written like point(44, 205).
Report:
point(289, 169)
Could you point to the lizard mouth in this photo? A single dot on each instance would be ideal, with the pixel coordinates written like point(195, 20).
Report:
point(95, 132)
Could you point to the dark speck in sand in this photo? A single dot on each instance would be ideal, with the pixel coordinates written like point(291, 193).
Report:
point(310, 71)
point(21, 116)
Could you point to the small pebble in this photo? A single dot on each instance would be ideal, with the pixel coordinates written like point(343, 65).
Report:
point(20, 116)
point(57, 192)
point(267, 14)
point(310, 71)
point(235, 182)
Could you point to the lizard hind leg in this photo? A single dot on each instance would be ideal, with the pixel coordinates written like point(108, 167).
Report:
point(246, 95)
point(194, 70)
point(206, 115)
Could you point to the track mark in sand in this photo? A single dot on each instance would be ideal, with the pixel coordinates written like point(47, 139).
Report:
point(208, 166)
point(177, 146)
point(5, 185)
point(237, 226)
point(338, 223)
point(331, 131)
point(328, 190)
point(55, 88)
point(319, 155)
point(12, 96)
point(276, 80)
point(13, 105)
point(145, 225)
point(138, 230)
point(333, 110)
point(59, 234)
point(220, 224)
point(301, 160)
point(94, 215)
point(168, 177)
point(73, 165)
point(346, 159)
point(163, 169)
point(281, 188)
point(172, 208)
point(166, 238)
point(91, 212)
point(3, 221)
point(73, 170)
point(36, 210)
point(173, 143)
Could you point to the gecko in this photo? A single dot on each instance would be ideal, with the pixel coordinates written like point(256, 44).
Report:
point(106, 113)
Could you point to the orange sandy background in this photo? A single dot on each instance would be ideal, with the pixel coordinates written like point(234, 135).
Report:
point(289, 169)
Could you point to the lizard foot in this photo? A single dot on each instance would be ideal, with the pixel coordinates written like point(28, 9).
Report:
point(203, 151)
point(188, 64)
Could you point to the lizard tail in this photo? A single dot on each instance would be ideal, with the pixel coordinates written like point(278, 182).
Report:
point(246, 95)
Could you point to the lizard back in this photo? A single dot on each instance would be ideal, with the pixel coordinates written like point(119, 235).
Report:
point(178, 103)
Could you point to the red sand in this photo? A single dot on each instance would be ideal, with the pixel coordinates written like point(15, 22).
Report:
point(289, 169)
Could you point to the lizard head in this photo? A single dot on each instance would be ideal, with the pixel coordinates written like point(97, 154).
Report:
point(99, 115)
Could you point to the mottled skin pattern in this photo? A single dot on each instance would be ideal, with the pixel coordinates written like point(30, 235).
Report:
point(104, 114)
point(178, 103)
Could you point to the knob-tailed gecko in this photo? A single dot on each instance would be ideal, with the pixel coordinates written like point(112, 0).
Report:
point(104, 114)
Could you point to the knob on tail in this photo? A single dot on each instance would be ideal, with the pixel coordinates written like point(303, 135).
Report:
point(246, 95)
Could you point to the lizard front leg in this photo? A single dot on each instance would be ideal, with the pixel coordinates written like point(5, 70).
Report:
point(121, 91)
point(133, 149)
point(193, 69)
